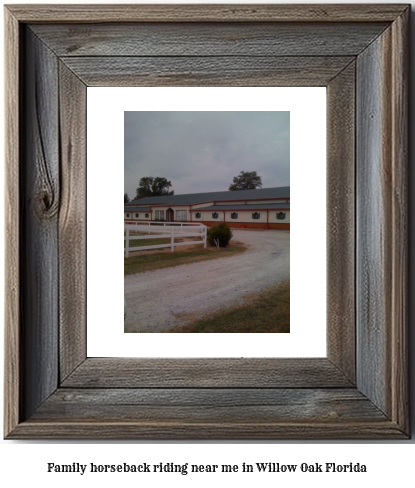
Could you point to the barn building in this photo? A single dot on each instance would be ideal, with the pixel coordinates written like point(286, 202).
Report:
point(266, 208)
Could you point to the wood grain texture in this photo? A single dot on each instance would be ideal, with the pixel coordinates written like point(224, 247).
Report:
point(40, 205)
point(374, 222)
point(209, 405)
point(206, 13)
point(341, 237)
point(207, 71)
point(198, 39)
point(154, 430)
point(382, 266)
point(58, 393)
point(400, 264)
point(206, 373)
point(72, 222)
point(13, 380)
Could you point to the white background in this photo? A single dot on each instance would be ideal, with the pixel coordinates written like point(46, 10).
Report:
point(105, 126)
point(24, 463)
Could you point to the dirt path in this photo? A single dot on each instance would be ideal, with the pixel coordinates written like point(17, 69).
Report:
point(159, 300)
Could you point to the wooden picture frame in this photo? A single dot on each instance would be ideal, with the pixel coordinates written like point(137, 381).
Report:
point(360, 53)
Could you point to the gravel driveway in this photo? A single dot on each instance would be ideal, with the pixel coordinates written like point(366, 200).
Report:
point(161, 299)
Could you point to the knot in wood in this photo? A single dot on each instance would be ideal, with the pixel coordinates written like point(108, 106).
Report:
point(46, 205)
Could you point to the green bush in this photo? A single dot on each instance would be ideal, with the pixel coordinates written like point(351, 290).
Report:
point(220, 232)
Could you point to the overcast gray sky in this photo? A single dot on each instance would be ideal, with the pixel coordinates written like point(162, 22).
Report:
point(203, 151)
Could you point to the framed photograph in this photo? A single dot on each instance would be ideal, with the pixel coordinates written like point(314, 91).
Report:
point(224, 181)
point(358, 390)
point(202, 157)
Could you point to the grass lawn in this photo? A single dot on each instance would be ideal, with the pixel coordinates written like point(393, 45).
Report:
point(159, 259)
point(147, 242)
point(269, 311)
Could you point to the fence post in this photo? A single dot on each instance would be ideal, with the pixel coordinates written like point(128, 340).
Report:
point(205, 236)
point(172, 238)
point(127, 243)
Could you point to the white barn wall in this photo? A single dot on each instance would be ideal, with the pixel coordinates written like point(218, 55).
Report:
point(142, 216)
point(207, 216)
point(246, 216)
point(273, 217)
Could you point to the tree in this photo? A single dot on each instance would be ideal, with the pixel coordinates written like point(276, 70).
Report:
point(246, 180)
point(153, 187)
point(126, 199)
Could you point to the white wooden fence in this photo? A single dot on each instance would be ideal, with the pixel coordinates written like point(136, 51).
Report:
point(163, 230)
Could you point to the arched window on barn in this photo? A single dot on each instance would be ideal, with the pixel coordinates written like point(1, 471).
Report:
point(198, 215)
point(234, 215)
point(215, 215)
point(256, 215)
point(127, 215)
point(137, 215)
point(281, 215)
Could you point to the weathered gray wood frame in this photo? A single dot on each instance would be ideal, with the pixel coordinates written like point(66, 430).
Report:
point(359, 52)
